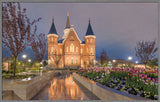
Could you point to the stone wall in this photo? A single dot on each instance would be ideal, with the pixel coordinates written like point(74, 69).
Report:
point(26, 90)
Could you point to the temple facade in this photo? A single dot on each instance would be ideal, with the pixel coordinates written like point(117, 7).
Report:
point(70, 51)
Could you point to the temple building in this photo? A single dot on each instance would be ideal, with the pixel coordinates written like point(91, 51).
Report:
point(70, 51)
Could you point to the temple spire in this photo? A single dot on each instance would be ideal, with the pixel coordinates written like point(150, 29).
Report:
point(89, 29)
point(53, 28)
point(68, 23)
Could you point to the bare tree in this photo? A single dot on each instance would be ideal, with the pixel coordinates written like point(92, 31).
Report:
point(39, 46)
point(145, 50)
point(16, 28)
point(56, 57)
point(103, 57)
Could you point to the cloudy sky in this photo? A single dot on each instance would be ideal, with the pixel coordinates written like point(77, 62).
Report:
point(117, 26)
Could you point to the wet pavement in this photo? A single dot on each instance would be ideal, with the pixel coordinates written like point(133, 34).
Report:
point(64, 87)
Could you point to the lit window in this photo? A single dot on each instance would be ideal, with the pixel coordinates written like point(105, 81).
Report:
point(51, 49)
point(81, 50)
point(76, 49)
point(61, 62)
point(67, 48)
point(91, 50)
point(67, 60)
point(76, 60)
point(87, 49)
point(91, 40)
point(81, 61)
point(71, 48)
point(52, 39)
point(61, 50)
point(87, 40)
point(72, 60)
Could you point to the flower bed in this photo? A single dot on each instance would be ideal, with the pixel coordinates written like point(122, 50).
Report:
point(136, 81)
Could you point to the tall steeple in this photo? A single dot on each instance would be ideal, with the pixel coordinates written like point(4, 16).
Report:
point(89, 30)
point(68, 23)
point(53, 28)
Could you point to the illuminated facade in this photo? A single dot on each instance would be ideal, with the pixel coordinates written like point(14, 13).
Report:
point(72, 51)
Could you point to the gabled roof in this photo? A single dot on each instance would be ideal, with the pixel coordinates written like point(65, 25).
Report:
point(89, 30)
point(52, 29)
point(72, 29)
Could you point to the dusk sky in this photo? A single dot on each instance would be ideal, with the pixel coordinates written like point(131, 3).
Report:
point(117, 26)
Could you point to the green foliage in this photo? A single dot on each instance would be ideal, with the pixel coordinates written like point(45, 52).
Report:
point(153, 62)
point(114, 78)
point(45, 63)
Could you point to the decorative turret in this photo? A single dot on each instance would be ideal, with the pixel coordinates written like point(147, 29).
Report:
point(68, 26)
point(89, 37)
point(90, 44)
point(52, 35)
point(52, 42)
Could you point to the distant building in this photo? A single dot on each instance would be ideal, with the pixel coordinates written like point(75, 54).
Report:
point(140, 65)
point(72, 51)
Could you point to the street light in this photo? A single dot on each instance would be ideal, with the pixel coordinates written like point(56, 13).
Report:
point(29, 60)
point(129, 58)
point(114, 60)
point(24, 57)
point(136, 62)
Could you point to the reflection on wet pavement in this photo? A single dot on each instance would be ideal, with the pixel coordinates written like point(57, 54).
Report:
point(62, 88)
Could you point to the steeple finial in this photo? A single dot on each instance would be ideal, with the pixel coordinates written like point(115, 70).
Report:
point(52, 19)
point(68, 23)
point(67, 13)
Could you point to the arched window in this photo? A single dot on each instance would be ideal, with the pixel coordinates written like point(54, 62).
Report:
point(91, 50)
point(87, 62)
point(81, 62)
point(91, 40)
point(67, 60)
point(81, 50)
point(72, 60)
point(52, 39)
point(51, 49)
point(87, 40)
point(76, 60)
point(76, 49)
point(72, 48)
point(67, 48)
point(61, 50)
point(87, 49)
point(61, 62)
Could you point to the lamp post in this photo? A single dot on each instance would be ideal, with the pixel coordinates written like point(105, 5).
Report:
point(114, 64)
point(129, 58)
point(24, 56)
point(29, 60)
